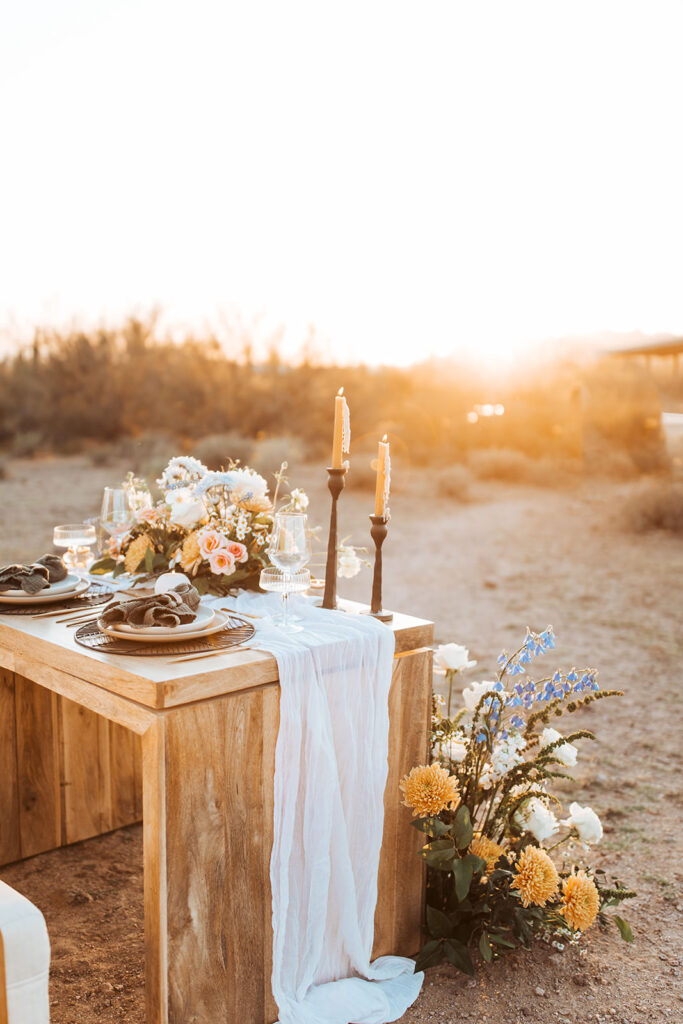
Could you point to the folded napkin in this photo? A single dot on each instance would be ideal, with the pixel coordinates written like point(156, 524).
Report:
point(55, 567)
point(32, 578)
point(174, 608)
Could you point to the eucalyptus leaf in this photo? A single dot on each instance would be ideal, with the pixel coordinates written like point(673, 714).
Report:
point(462, 828)
point(431, 826)
point(624, 927)
point(440, 854)
point(459, 956)
point(430, 955)
point(438, 923)
point(463, 870)
point(485, 948)
point(102, 566)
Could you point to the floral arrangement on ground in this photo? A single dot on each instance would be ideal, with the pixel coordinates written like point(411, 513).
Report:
point(214, 526)
point(485, 806)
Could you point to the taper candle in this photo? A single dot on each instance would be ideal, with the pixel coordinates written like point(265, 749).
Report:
point(342, 430)
point(383, 478)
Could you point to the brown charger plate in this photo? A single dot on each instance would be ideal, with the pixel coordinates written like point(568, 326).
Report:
point(237, 631)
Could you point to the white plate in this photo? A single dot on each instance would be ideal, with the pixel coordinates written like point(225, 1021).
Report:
point(204, 618)
point(55, 592)
point(169, 636)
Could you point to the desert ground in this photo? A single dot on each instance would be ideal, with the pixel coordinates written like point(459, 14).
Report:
point(483, 570)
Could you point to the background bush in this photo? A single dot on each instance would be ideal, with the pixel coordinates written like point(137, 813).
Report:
point(128, 394)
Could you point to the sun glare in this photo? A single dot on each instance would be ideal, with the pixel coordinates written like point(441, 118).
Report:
point(401, 182)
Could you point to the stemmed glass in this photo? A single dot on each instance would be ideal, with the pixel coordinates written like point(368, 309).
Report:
point(116, 515)
point(77, 538)
point(289, 551)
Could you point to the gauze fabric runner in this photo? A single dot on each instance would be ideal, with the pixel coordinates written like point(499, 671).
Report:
point(330, 775)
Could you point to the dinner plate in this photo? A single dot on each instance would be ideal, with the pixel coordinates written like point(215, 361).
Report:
point(204, 617)
point(70, 587)
point(168, 636)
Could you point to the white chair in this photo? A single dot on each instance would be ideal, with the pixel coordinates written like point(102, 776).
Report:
point(24, 961)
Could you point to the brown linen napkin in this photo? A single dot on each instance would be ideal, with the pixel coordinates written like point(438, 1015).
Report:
point(174, 608)
point(55, 567)
point(29, 578)
point(33, 578)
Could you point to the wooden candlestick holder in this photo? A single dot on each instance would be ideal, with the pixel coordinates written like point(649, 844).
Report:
point(335, 483)
point(378, 532)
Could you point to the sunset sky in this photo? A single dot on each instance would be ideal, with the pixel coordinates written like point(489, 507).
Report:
point(409, 178)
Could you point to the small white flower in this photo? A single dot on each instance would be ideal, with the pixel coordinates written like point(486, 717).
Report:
point(348, 562)
point(586, 823)
point(456, 750)
point(473, 693)
point(566, 753)
point(298, 500)
point(452, 657)
point(535, 817)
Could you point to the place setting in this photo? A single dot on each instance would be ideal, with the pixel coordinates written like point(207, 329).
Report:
point(172, 621)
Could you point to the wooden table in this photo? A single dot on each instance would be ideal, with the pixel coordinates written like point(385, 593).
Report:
point(90, 742)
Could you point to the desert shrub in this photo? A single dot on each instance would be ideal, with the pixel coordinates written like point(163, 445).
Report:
point(27, 443)
point(656, 506)
point(454, 482)
point(509, 466)
point(216, 450)
point(102, 455)
point(269, 454)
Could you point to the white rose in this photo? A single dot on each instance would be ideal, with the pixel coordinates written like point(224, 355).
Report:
point(348, 563)
point(586, 823)
point(456, 750)
point(566, 754)
point(186, 511)
point(534, 817)
point(472, 694)
point(452, 657)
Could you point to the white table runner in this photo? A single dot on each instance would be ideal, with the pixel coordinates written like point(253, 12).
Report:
point(330, 775)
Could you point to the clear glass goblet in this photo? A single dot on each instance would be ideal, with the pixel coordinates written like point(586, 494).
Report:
point(275, 580)
point(77, 538)
point(289, 551)
point(116, 515)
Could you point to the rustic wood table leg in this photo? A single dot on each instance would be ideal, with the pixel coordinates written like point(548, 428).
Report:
point(208, 819)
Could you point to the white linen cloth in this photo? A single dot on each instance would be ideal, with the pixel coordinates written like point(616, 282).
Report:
point(330, 774)
point(25, 949)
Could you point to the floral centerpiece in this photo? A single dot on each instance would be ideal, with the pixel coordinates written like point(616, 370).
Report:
point(491, 822)
point(213, 526)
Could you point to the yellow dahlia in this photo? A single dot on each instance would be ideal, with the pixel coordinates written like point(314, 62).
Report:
point(536, 877)
point(256, 505)
point(482, 846)
point(190, 555)
point(580, 901)
point(136, 552)
point(429, 789)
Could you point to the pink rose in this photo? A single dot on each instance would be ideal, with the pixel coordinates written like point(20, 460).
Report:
point(211, 540)
point(238, 551)
point(147, 515)
point(221, 562)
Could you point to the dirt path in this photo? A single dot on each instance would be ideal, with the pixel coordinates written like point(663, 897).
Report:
point(482, 571)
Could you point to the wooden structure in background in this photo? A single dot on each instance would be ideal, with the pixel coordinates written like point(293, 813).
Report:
point(672, 350)
point(90, 741)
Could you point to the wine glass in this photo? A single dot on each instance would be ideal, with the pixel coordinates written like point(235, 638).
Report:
point(289, 551)
point(77, 538)
point(116, 515)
